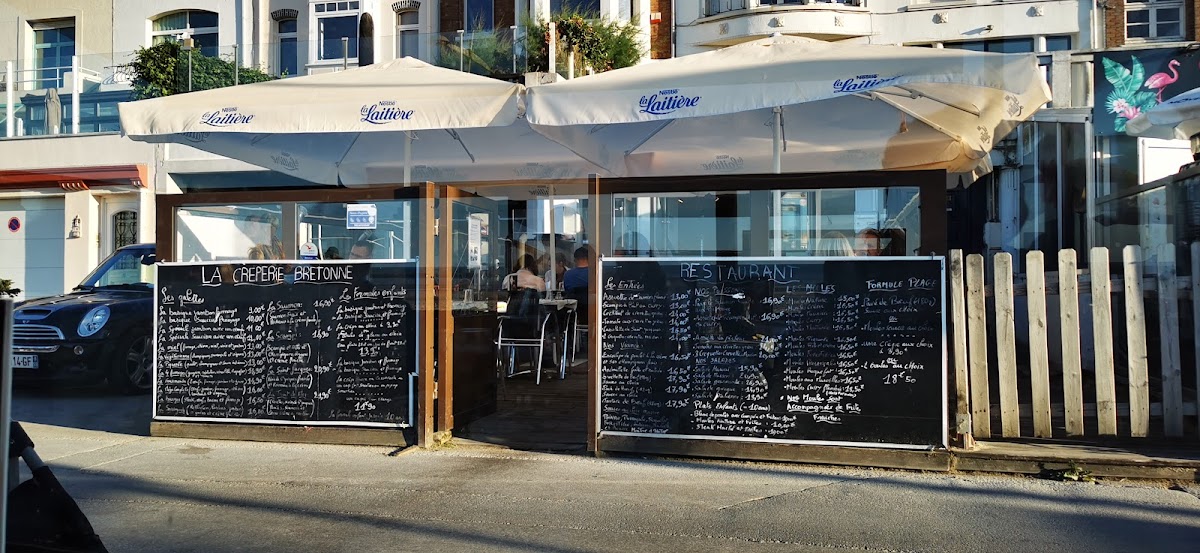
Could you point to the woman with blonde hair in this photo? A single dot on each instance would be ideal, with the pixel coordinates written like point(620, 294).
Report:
point(833, 244)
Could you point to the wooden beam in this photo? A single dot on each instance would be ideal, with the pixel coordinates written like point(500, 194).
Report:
point(1039, 349)
point(445, 307)
point(977, 333)
point(958, 305)
point(596, 209)
point(1006, 346)
point(425, 382)
point(1068, 302)
point(1135, 334)
point(1172, 367)
point(1102, 330)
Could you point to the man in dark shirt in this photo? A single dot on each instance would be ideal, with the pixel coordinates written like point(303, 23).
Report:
point(577, 278)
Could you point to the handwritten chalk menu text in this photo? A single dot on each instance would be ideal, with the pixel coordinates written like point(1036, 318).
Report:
point(314, 342)
point(847, 351)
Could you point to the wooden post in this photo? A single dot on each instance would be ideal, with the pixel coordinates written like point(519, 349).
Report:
point(1068, 307)
point(1168, 319)
point(1106, 389)
point(1196, 321)
point(958, 304)
point(1135, 330)
point(1006, 345)
point(981, 421)
point(599, 239)
point(1039, 350)
point(425, 384)
point(445, 307)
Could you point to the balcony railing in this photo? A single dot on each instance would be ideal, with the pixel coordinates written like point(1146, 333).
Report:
point(715, 7)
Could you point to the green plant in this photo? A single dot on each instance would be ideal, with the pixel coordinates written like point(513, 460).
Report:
point(600, 44)
point(162, 70)
point(1073, 473)
point(6, 288)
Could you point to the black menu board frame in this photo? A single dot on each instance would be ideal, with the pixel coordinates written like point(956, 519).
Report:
point(676, 375)
point(387, 289)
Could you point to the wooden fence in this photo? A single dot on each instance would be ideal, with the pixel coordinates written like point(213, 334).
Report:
point(1085, 399)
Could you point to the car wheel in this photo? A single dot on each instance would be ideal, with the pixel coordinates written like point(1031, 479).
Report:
point(131, 369)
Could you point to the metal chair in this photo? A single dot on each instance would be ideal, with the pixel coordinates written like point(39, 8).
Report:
point(527, 325)
point(580, 295)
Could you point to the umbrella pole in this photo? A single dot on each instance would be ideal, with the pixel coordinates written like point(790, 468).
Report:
point(553, 246)
point(407, 157)
point(777, 140)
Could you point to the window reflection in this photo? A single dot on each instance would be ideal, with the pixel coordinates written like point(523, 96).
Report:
point(325, 226)
point(229, 232)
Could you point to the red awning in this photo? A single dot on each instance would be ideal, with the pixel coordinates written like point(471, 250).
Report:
point(75, 178)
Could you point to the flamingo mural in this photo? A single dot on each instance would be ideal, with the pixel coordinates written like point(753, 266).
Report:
point(1159, 81)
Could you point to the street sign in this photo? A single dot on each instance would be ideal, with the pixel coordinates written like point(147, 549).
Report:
point(361, 216)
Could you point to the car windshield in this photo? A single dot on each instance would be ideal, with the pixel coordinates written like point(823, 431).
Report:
point(124, 269)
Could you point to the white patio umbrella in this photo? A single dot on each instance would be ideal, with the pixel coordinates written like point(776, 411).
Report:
point(789, 104)
point(383, 123)
point(1178, 117)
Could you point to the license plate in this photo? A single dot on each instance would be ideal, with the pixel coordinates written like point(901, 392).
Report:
point(25, 361)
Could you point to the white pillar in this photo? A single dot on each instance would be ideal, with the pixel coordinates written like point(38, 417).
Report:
point(76, 80)
point(10, 97)
point(553, 45)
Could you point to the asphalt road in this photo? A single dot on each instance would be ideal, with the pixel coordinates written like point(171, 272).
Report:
point(147, 494)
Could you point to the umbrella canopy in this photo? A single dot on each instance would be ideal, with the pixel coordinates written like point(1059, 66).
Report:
point(383, 123)
point(53, 112)
point(1178, 117)
point(790, 104)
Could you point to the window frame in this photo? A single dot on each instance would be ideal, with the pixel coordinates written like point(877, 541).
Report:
point(1152, 7)
point(294, 37)
point(172, 35)
point(404, 29)
point(38, 69)
point(319, 11)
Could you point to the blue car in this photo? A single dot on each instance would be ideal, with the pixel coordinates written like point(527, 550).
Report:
point(100, 332)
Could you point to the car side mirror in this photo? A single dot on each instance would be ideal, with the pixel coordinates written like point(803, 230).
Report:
point(149, 259)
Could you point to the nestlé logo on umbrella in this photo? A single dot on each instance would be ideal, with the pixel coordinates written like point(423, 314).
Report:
point(225, 117)
point(666, 101)
point(861, 82)
point(724, 164)
point(384, 112)
point(286, 161)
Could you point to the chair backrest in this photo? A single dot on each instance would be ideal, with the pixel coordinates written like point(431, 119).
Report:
point(582, 299)
point(523, 303)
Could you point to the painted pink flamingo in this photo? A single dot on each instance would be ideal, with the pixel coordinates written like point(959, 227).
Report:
point(1159, 81)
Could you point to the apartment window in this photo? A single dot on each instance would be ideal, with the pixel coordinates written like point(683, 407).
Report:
point(479, 15)
point(1000, 45)
point(1154, 20)
point(1058, 43)
point(53, 46)
point(335, 21)
point(201, 25)
point(288, 60)
point(407, 33)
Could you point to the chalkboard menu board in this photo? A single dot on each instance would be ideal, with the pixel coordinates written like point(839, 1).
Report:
point(296, 342)
point(847, 351)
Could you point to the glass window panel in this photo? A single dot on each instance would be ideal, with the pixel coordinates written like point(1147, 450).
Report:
point(409, 43)
point(343, 5)
point(324, 224)
point(112, 126)
point(1165, 30)
point(1164, 15)
point(479, 15)
point(288, 57)
point(107, 109)
point(200, 19)
point(354, 5)
point(1058, 43)
point(171, 22)
point(87, 109)
point(207, 44)
point(1138, 31)
point(229, 232)
point(1010, 46)
point(410, 18)
point(320, 8)
point(333, 29)
point(1139, 16)
point(287, 26)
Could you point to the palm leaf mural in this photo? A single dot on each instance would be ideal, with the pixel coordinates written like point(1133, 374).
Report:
point(1128, 97)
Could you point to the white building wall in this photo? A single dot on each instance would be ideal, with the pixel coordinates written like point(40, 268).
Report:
point(132, 22)
point(33, 255)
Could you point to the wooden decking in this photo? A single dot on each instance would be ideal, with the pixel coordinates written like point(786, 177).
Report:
point(547, 417)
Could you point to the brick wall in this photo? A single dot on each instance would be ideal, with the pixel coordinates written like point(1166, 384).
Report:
point(451, 16)
point(1114, 24)
point(660, 33)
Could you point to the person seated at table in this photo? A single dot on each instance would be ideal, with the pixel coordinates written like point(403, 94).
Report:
point(362, 249)
point(577, 278)
point(554, 277)
point(524, 275)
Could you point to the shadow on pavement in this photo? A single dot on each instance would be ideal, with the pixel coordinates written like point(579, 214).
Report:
point(94, 408)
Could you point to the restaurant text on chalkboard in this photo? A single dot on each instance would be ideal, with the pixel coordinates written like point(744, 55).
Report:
point(840, 351)
point(313, 343)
